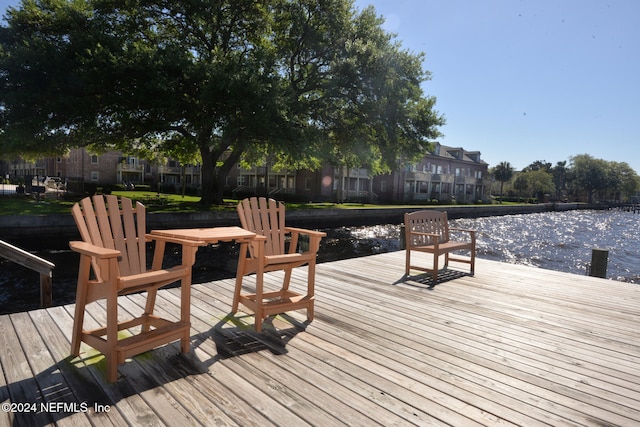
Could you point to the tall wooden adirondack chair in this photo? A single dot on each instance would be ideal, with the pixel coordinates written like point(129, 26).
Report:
point(113, 262)
point(428, 231)
point(266, 218)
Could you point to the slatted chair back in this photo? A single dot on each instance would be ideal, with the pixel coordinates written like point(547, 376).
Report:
point(265, 217)
point(113, 223)
point(427, 222)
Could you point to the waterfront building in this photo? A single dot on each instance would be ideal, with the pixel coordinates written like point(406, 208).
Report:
point(444, 174)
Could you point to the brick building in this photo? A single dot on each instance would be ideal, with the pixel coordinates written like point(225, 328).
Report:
point(446, 174)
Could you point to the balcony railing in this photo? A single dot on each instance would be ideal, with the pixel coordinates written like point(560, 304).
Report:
point(126, 167)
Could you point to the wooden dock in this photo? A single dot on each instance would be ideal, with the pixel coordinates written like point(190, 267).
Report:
point(512, 345)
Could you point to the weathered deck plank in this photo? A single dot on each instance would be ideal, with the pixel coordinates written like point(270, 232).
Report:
point(512, 345)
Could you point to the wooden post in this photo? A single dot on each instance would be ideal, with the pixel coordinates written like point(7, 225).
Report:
point(45, 290)
point(599, 259)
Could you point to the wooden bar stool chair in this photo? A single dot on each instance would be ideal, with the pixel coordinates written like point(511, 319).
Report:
point(112, 263)
point(266, 218)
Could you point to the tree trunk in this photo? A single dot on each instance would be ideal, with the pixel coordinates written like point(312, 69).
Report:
point(214, 176)
point(212, 184)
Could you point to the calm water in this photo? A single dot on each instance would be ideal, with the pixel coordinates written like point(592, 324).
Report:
point(558, 241)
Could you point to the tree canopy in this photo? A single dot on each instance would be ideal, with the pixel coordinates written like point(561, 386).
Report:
point(304, 82)
point(503, 173)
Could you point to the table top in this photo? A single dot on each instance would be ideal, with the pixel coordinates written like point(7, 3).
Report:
point(209, 235)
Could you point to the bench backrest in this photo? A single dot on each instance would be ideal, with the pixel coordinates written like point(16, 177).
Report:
point(426, 221)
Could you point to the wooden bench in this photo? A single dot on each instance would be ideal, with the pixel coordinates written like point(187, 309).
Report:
point(428, 231)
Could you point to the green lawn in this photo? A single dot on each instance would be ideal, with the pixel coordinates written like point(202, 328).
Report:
point(161, 202)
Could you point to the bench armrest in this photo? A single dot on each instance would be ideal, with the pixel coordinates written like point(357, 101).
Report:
point(422, 233)
point(471, 232)
point(466, 230)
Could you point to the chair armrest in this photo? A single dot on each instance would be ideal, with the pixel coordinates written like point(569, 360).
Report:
point(314, 238)
point(184, 242)
point(312, 233)
point(93, 250)
point(189, 249)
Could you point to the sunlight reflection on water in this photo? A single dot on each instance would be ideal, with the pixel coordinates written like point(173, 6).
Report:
point(562, 240)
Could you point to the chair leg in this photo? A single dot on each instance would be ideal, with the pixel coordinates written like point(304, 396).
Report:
point(242, 262)
point(435, 268)
point(185, 312)
point(81, 302)
point(473, 261)
point(112, 368)
point(407, 263)
point(112, 355)
point(148, 310)
point(258, 324)
point(78, 321)
point(311, 282)
point(236, 293)
point(287, 279)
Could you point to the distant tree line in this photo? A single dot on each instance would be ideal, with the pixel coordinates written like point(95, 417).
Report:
point(583, 178)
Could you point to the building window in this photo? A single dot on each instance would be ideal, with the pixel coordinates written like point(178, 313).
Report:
point(95, 176)
point(94, 159)
point(422, 187)
point(383, 186)
point(307, 184)
point(241, 179)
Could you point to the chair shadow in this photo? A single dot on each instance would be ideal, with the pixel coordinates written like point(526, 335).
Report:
point(425, 280)
point(78, 384)
point(233, 336)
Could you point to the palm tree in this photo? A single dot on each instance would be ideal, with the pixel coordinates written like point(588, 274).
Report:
point(503, 173)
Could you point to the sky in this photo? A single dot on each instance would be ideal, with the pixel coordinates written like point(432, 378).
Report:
point(526, 80)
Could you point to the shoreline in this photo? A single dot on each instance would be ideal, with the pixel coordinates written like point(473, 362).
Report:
point(57, 230)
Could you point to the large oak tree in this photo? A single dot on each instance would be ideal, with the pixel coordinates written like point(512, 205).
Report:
point(304, 82)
